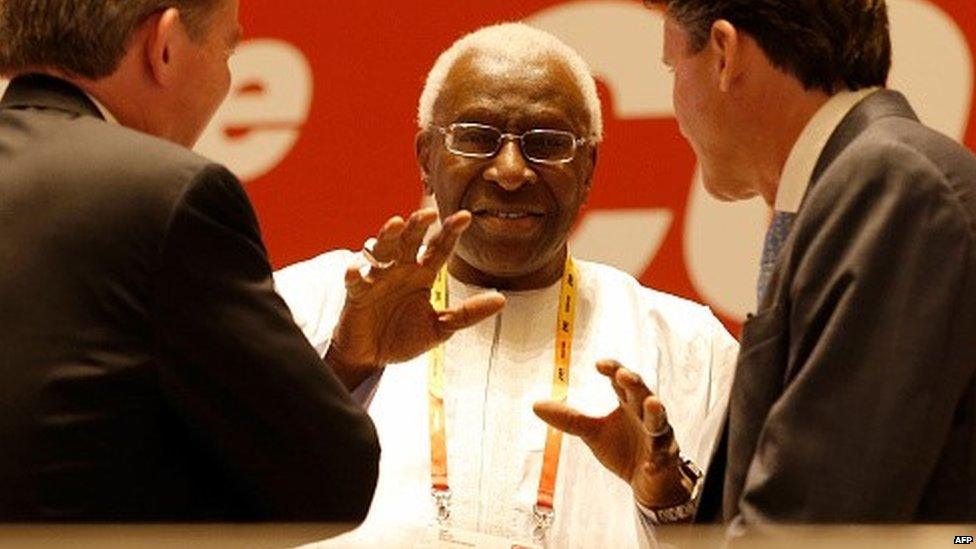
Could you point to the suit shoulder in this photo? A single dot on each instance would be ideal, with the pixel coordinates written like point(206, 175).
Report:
point(120, 149)
point(904, 162)
point(100, 174)
point(901, 145)
point(90, 153)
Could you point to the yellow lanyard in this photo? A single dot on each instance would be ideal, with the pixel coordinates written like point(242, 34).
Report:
point(565, 320)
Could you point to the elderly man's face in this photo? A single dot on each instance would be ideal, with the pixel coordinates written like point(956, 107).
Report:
point(523, 210)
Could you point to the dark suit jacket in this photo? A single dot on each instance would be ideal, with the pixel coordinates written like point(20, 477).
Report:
point(855, 394)
point(148, 370)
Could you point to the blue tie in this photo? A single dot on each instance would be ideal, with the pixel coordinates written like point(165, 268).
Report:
point(776, 235)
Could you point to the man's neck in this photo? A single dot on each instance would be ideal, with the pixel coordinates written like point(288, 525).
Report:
point(123, 101)
point(771, 109)
point(543, 277)
point(783, 127)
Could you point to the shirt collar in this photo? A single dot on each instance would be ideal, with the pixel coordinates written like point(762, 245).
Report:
point(106, 114)
point(806, 151)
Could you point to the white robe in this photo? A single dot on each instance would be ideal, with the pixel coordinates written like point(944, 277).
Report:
point(495, 371)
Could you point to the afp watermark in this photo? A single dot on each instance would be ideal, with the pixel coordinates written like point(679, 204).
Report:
point(962, 540)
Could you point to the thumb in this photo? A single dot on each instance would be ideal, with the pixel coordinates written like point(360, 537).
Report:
point(566, 419)
point(472, 311)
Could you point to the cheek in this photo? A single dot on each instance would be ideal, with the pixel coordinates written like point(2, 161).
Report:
point(446, 205)
point(223, 81)
point(225, 85)
point(449, 180)
point(681, 99)
point(569, 193)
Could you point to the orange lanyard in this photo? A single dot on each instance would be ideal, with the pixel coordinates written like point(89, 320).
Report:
point(565, 320)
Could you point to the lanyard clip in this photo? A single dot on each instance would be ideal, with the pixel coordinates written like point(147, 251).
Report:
point(442, 503)
point(543, 517)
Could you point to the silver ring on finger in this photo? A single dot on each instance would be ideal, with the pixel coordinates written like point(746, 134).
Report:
point(367, 252)
point(665, 430)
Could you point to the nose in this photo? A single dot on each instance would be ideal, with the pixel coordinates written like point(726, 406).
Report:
point(509, 169)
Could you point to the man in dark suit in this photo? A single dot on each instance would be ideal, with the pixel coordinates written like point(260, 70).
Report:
point(148, 369)
point(855, 393)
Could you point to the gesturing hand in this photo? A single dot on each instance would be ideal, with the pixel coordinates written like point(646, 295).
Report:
point(635, 441)
point(387, 316)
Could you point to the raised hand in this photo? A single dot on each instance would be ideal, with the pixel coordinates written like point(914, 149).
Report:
point(635, 441)
point(387, 316)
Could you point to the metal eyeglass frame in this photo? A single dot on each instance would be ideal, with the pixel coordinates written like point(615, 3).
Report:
point(448, 133)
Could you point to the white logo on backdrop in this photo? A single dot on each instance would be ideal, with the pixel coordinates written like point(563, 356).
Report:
point(722, 241)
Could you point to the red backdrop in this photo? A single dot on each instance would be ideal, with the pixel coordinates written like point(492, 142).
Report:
point(321, 121)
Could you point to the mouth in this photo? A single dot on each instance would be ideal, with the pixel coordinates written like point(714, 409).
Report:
point(508, 221)
point(507, 213)
point(507, 208)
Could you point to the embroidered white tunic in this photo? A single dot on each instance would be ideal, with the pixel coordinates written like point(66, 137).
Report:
point(494, 372)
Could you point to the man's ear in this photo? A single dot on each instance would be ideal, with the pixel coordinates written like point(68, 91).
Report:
point(422, 146)
point(588, 176)
point(164, 39)
point(724, 41)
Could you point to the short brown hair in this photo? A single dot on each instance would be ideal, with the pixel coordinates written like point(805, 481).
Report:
point(826, 44)
point(85, 38)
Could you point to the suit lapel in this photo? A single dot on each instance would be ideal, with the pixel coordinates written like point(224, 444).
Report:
point(40, 91)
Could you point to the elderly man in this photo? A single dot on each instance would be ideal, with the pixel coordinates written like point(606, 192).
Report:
point(855, 394)
point(509, 128)
point(149, 371)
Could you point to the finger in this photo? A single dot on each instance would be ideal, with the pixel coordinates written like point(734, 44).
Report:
point(413, 234)
point(609, 367)
point(567, 419)
point(441, 245)
point(472, 311)
point(387, 247)
point(655, 420)
point(634, 389)
point(355, 283)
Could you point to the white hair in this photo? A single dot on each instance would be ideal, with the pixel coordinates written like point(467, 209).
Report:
point(515, 42)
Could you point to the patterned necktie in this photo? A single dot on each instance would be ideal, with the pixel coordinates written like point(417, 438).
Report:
point(776, 235)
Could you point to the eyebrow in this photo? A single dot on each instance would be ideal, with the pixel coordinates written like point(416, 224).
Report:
point(554, 119)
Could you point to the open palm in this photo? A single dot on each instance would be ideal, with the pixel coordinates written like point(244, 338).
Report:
point(634, 441)
point(387, 316)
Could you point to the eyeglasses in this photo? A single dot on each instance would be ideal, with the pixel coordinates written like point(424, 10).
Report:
point(473, 140)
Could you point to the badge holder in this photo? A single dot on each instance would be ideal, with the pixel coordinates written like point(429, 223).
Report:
point(442, 504)
point(543, 517)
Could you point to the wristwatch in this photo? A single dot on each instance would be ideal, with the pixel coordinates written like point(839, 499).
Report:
point(684, 511)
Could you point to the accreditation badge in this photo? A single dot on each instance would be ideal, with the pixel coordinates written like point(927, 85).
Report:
point(454, 538)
